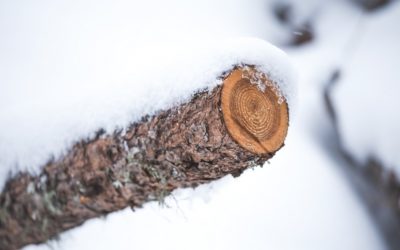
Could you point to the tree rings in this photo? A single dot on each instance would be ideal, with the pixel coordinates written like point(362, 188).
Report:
point(255, 114)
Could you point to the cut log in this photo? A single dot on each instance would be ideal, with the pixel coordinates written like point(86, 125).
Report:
point(254, 115)
point(218, 132)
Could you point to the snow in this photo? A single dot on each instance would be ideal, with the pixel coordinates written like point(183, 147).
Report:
point(366, 97)
point(103, 66)
point(78, 68)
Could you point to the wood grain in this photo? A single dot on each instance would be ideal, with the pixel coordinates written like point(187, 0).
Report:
point(254, 115)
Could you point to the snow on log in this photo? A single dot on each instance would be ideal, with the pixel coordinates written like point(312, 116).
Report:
point(220, 131)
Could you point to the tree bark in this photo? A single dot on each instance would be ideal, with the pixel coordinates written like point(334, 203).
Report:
point(180, 147)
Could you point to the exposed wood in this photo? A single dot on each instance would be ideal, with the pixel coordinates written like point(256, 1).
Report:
point(180, 147)
point(255, 118)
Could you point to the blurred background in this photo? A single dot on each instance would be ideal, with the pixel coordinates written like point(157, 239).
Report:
point(347, 53)
point(335, 184)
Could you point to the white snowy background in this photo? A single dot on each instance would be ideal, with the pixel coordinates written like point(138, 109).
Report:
point(70, 67)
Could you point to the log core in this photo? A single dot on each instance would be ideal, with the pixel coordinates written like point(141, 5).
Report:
point(254, 114)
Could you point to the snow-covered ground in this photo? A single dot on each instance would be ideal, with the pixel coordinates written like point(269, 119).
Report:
point(300, 200)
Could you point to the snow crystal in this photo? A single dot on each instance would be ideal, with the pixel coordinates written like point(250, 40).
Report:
point(261, 80)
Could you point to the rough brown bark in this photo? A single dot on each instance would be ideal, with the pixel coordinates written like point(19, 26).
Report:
point(180, 147)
